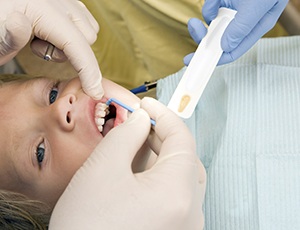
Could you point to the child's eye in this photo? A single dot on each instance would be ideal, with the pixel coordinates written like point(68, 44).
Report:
point(40, 152)
point(53, 94)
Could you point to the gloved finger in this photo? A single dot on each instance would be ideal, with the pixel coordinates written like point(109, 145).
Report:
point(73, 43)
point(123, 142)
point(244, 22)
point(39, 48)
point(85, 63)
point(176, 163)
point(263, 26)
point(196, 29)
point(86, 28)
point(210, 10)
point(187, 59)
point(90, 17)
point(15, 33)
point(154, 142)
point(170, 129)
point(77, 13)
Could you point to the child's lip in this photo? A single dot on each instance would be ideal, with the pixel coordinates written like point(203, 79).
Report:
point(121, 113)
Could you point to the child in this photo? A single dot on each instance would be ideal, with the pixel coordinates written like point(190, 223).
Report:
point(48, 129)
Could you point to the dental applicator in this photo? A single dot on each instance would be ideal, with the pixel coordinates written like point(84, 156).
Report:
point(201, 67)
point(125, 107)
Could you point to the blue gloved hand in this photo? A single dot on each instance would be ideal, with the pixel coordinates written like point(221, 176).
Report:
point(197, 31)
point(253, 19)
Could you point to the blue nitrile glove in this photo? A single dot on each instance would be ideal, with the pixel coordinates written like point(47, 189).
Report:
point(197, 31)
point(253, 19)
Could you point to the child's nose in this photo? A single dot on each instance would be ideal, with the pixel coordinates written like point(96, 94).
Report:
point(64, 110)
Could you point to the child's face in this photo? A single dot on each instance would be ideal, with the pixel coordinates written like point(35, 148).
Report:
point(42, 145)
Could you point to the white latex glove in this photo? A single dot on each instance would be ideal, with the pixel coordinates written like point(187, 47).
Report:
point(67, 24)
point(105, 194)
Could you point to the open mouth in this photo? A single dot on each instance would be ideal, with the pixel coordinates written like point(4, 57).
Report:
point(108, 117)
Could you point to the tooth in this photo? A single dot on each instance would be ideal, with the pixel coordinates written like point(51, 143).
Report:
point(99, 121)
point(103, 105)
point(101, 113)
point(99, 107)
point(100, 128)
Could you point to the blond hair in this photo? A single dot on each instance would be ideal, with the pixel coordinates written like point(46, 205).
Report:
point(18, 212)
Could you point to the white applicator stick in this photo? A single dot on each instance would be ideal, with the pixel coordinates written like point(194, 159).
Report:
point(201, 67)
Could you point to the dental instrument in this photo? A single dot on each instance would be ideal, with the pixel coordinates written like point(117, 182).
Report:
point(125, 106)
point(144, 88)
point(201, 67)
point(49, 52)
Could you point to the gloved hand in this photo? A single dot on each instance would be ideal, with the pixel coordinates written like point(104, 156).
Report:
point(67, 24)
point(105, 193)
point(253, 19)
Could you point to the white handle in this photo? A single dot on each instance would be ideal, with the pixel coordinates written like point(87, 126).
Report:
point(201, 67)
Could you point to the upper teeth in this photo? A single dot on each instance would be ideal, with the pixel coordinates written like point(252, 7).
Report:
point(101, 110)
